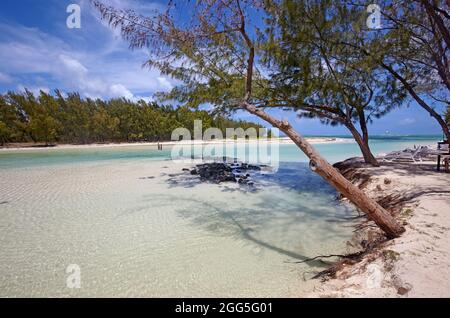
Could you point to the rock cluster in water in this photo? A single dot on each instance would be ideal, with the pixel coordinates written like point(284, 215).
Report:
point(225, 172)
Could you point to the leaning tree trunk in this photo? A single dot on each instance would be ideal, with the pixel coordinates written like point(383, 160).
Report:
point(373, 210)
point(364, 146)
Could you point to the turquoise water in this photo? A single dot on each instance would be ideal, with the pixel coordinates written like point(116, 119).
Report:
point(333, 152)
point(137, 225)
point(45, 157)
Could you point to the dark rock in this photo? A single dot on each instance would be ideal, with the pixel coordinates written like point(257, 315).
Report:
point(185, 169)
point(224, 172)
point(230, 178)
point(402, 290)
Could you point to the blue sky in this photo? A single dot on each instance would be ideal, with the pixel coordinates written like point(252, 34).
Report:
point(39, 52)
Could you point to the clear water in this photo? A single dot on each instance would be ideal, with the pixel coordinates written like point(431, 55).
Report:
point(333, 152)
point(136, 225)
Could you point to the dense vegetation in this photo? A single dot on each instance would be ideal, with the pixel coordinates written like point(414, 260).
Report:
point(71, 119)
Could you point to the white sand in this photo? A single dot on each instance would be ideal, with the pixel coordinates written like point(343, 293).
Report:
point(418, 263)
point(283, 140)
point(143, 228)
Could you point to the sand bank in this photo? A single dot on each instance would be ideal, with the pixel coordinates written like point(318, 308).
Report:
point(30, 146)
point(418, 263)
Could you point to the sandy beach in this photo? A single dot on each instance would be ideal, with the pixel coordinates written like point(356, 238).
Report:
point(418, 263)
point(126, 210)
point(237, 156)
point(30, 146)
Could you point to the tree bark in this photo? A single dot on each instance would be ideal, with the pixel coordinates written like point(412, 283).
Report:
point(371, 208)
point(363, 144)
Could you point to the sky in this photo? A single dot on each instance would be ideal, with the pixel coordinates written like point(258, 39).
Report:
point(39, 52)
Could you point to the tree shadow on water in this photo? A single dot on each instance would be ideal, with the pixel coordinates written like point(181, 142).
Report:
point(285, 212)
point(295, 176)
point(243, 223)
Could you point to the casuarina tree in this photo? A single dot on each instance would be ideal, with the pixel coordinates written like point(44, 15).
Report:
point(212, 49)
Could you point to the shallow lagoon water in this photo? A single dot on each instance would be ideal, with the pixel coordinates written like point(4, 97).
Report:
point(137, 226)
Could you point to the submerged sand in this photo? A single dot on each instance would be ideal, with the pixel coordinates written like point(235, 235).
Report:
point(137, 229)
point(142, 228)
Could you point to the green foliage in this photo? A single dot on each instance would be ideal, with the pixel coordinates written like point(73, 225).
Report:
point(206, 56)
point(72, 119)
point(316, 57)
point(299, 61)
point(318, 67)
point(5, 133)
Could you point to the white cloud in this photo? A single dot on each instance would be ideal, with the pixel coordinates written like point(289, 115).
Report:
point(38, 59)
point(5, 78)
point(36, 90)
point(408, 121)
point(145, 8)
point(165, 84)
point(73, 66)
point(115, 42)
point(118, 90)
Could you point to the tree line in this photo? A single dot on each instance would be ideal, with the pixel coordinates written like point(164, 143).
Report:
point(69, 118)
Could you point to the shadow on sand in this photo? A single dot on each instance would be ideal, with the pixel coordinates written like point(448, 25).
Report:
point(295, 180)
